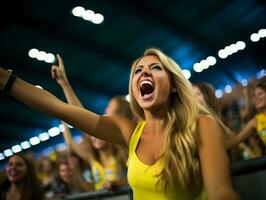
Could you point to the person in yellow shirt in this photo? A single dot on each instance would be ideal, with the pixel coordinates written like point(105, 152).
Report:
point(176, 149)
point(257, 125)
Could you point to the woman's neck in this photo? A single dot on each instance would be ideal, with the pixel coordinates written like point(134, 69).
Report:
point(155, 123)
point(16, 188)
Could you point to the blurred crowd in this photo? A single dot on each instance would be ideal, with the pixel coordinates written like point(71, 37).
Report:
point(94, 165)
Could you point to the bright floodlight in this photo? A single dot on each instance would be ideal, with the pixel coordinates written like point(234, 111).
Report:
point(218, 93)
point(211, 60)
point(204, 64)
point(44, 136)
point(222, 54)
point(240, 45)
point(228, 50)
point(49, 58)
point(244, 82)
point(61, 127)
point(262, 33)
point(87, 15)
point(54, 131)
point(17, 148)
point(233, 48)
point(34, 140)
point(78, 11)
point(186, 73)
point(8, 152)
point(2, 157)
point(25, 145)
point(254, 37)
point(261, 73)
point(197, 67)
point(41, 55)
point(228, 89)
point(97, 18)
point(33, 53)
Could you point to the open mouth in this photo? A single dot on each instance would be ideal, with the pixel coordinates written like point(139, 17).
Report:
point(146, 88)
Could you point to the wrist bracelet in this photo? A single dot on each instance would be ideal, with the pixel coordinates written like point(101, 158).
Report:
point(11, 79)
point(2, 85)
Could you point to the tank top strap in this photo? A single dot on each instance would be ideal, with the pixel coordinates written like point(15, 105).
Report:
point(135, 137)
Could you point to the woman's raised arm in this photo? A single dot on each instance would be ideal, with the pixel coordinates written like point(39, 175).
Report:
point(119, 129)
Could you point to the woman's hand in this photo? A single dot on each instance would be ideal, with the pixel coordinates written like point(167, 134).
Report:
point(58, 72)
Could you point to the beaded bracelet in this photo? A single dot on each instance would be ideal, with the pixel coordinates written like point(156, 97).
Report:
point(11, 79)
point(2, 85)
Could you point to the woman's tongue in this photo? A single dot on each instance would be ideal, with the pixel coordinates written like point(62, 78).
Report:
point(146, 90)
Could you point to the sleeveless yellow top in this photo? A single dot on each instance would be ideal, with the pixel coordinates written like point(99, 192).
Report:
point(101, 174)
point(261, 126)
point(143, 178)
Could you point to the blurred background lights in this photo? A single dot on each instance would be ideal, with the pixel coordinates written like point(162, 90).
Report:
point(60, 147)
point(54, 131)
point(61, 127)
point(78, 11)
point(2, 157)
point(186, 73)
point(244, 82)
point(34, 140)
point(197, 67)
point(262, 33)
point(88, 15)
point(261, 74)
point(240, 45)
point(228, 50)
point(204, 64)
point(41, 55)
point(97, 18)
point(49, 58)
point(25, 145)
point(211, 60)
point(44, 136)
point(218, 93)
point(233, 48)
point(8, 152)
point(16, 148)
point(254, 37)
point(33, 53)
point(222, 54)
point(228, 89)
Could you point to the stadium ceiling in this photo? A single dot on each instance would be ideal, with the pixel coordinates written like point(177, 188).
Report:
point(98, 56)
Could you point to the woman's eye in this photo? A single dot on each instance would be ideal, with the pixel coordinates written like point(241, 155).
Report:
point(157, 67)
point(137, 71)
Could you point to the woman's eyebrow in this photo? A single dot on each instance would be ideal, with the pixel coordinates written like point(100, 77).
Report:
point(151, 64)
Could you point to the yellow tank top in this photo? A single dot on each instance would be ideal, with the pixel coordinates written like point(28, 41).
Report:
point(102, 174)
point(143, 178)
point(261, 126)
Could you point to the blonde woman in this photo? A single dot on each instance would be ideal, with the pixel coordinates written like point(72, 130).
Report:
point(175, 151)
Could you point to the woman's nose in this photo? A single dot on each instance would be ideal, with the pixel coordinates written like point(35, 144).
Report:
point(145, 73)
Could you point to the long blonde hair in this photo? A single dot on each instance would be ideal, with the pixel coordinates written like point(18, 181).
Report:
point(181, 161)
